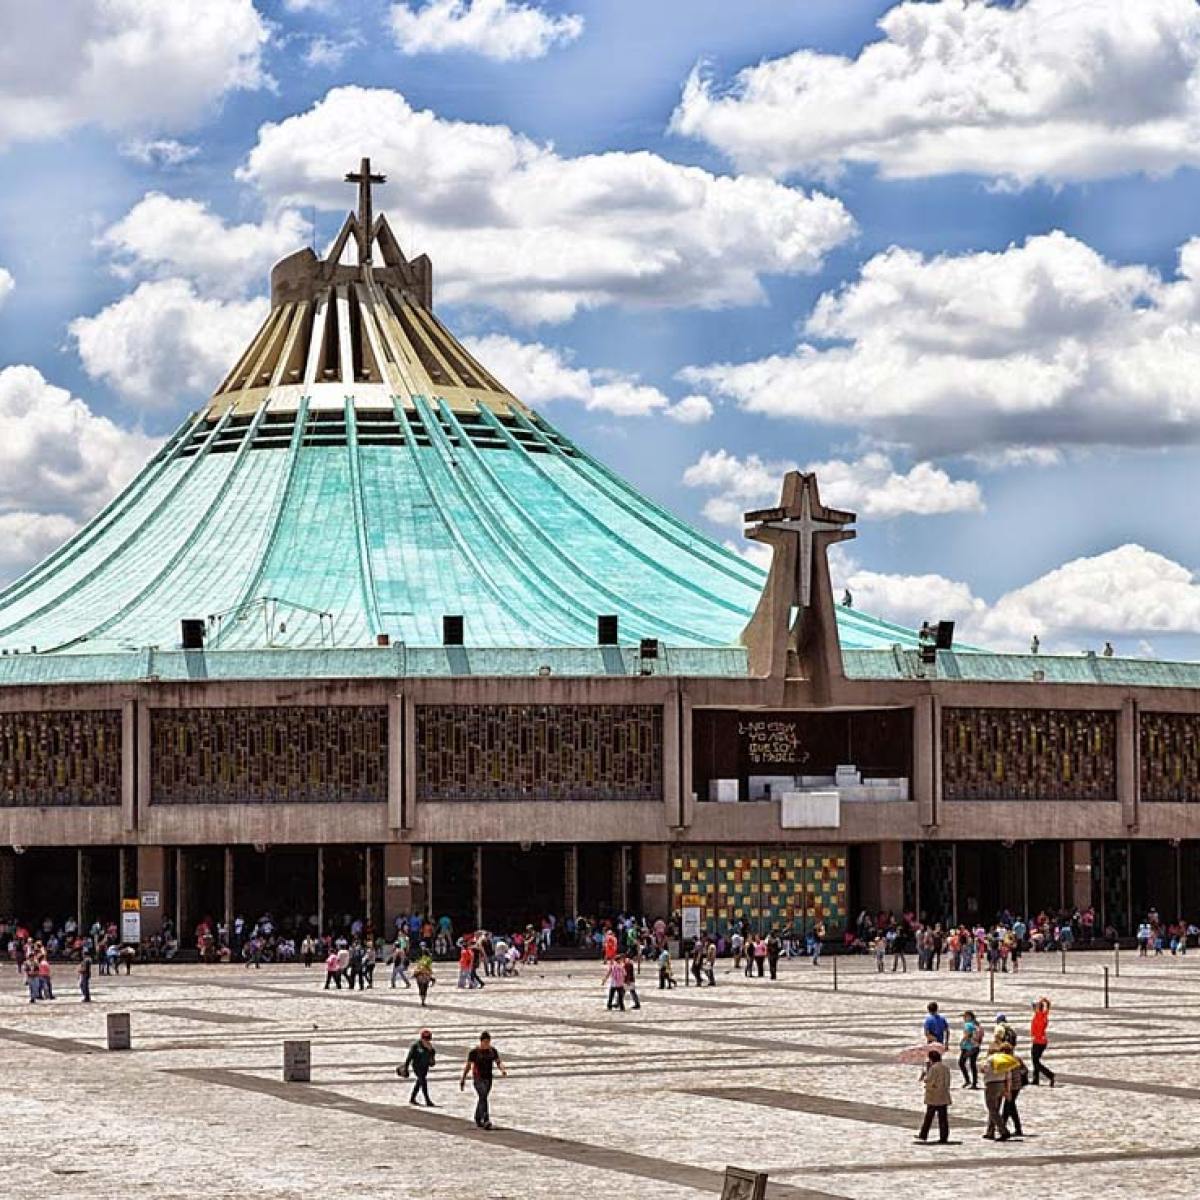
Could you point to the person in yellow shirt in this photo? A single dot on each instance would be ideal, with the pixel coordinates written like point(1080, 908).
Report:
point(998, 1067)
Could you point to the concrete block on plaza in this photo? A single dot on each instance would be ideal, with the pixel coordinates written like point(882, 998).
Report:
point(119, 1037)
point(743, 1185)
point(847, 775)
point(810, 810)
point(297, 1062)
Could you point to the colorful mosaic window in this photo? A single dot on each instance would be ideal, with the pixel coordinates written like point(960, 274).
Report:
point(539, 752)
point(293, 755)
point(768, 887)
point(1170, 756)
point(1028, 754)
point(60, 759)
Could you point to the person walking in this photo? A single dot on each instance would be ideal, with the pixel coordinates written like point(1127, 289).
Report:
point(423, 975)
point(1039, 1039)
point(665, 978)
point(85, 981)
point(710, 963)
point(631, 980)
point(937, 1028)
point(1017, 1077)
point(968, 1050)
point(333, 970)
point(774, 950)
point(936, 1078)
point(421, 1059)
point(996, 1068)
point(615, 976)
point(481, 1062)
point(760, 954)
point(898, 960)
point(400, 963)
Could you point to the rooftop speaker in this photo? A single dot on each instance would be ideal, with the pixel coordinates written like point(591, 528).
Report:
point(452, 631)
point(945, 635)
point(606, 629)
point(191, 633)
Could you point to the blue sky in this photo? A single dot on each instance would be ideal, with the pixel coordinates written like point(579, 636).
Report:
point(971, 216)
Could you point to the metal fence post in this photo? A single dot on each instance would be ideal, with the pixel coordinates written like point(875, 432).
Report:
point(835, 985)
point(1105, 987)
point(1117, 959)
point(992, 981)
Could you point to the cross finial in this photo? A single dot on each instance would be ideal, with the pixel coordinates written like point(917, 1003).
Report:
point(802, 515)
point(365, 218)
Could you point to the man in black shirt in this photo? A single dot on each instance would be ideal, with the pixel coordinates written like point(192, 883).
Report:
point(480, 1063)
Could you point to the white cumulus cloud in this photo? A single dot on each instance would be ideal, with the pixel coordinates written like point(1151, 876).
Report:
point(505, 30)
point(1041, 90)
point(163, 341)
point(1124, 595)
point(7, 284)
point(540, 374)
point(59, 462)
point(511, 224)
point(164, 236)
point(870, 486)
point(27, 537)
point(158, 152)
point(1037, 347)
point(1127, 592)
point(127, 65)
point(691, 410)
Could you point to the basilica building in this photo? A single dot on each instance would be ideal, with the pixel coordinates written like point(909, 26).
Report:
point(370, 636)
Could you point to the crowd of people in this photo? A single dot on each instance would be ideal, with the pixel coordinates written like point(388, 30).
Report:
point(1004, 1072)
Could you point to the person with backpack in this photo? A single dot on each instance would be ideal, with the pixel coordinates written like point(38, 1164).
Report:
point(420, 1061)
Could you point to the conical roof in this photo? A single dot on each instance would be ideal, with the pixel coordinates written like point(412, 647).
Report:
point(359, 473)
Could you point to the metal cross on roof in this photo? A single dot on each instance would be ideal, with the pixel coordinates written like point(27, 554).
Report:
point(364, 179)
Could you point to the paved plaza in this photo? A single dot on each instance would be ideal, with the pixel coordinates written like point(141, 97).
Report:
point(786, 1077)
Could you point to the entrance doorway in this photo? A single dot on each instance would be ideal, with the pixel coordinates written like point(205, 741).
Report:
point(454, 886)
point(522, 886)
point(990, 878)
point(281, 881)
point(201, 886)
point(46, 887)
point(100, 884)
point(599, 881)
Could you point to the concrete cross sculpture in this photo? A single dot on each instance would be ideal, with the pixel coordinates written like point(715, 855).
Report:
point(799, 530)
point(365, 219)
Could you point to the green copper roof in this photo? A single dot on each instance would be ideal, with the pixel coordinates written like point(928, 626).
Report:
point(325, 527)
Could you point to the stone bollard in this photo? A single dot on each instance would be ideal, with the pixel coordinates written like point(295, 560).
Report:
point(297, 1062)
point(118, 1032)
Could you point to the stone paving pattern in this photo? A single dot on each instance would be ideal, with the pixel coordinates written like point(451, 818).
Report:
point(786, 1077)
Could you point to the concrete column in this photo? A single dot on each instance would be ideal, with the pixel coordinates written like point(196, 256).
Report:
point(320, 889)
point(1127, 763)
point(129, 765)
point(891, 877)
point(570, 881)
point(478, 887)
point(926, 778)
point(408, 800)
point(180, 888)
point(395, 763)
point(152, 877)
point(228, 898)
point(397, 882)
point(368, 888)
point(143, 762)
point(8, 881)
point(1079, 874)
point(654, 859)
